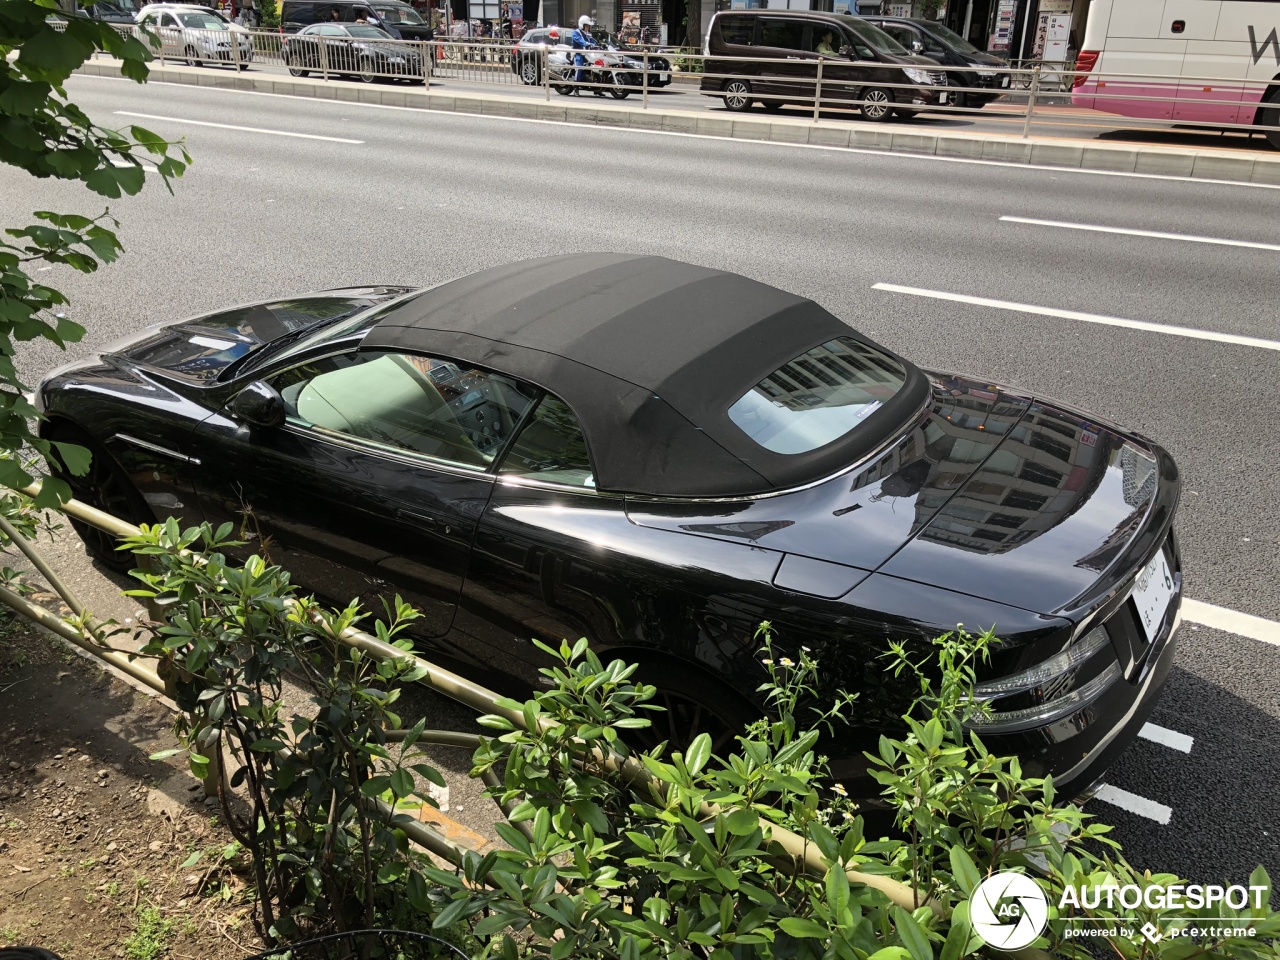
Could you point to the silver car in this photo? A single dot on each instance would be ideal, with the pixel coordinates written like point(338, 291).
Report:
point(196, 34)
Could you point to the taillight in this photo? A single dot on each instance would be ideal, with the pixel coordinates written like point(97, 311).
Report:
point(599, 63)
point(1085, 62)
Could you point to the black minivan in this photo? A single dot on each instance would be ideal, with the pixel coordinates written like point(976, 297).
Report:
point(773, 56)
point(398, 19)
point(950, 49)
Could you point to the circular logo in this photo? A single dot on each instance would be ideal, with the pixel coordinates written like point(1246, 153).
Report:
point(1008, 911)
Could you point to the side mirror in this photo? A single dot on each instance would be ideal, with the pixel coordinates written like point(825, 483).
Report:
point(917, 46)
point(846, 51)
point(259, 404)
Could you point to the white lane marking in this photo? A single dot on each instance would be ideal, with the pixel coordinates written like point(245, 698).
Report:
point(346, 104)
point(1157, 234)
point(1190, 332)
point(231, 126)
point(1232, 621)
point(1166, 737)
point(1134, 803)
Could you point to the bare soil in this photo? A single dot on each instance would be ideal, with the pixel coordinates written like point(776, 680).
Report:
point(95, 837)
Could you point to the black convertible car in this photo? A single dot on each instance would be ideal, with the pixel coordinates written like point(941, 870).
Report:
point(657, 456)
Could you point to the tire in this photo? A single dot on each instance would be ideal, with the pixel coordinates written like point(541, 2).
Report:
point(106, 487)
point(954, 98)
point(368, 70)
point(244, 66)
point(563, 89)
point(737, 95)
point(530, 75)
point(1270, 117)
point(295, 71)
point(878, 106)
point(773, 106)
point(619, 90)
point(695, 702)
point(193, 57)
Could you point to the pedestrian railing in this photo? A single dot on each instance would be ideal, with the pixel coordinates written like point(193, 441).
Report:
point(816, 86)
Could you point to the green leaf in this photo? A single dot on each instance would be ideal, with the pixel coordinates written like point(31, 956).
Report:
point(166, 754)
point(75, 457)
point(799, 927)
point(742, 822)
point(912, 935)
point(192, 860)
point(964, 870)
point(401, 782)
point(698, 754)
point(890, 953)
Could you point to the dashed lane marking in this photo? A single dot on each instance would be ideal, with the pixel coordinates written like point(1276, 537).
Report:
point(230, 126)
point(1134, 804)
point(1143, 325)
point(1166, 737)
point(1154, 234)
point(1232, 621)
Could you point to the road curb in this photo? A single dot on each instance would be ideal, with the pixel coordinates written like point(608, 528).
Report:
point(1223, 165)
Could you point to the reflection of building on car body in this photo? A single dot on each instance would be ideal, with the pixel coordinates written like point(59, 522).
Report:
point(1210, 61)
point(520, 453)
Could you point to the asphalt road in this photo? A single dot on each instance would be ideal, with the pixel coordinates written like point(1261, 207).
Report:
point(1053, 117)
point(421, 197)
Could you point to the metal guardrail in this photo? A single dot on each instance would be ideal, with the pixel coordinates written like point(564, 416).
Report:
point(798, 853)
point(817, 85)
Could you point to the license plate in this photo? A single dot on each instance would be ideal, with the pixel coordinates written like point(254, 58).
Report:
point(664, 77)
point(1152, 593)
point(942, 98)
point(395, 59)
point(1004, 81)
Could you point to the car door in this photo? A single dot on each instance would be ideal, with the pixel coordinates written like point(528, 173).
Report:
point(551, 558)
point(170, 31)
point(334, 47)
point(787, 71)
point(375, 481)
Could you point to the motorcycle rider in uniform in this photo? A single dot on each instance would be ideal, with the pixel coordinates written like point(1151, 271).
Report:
point(581, 39)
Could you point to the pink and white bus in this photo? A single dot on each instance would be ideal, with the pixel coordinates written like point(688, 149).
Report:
point(1209, 61)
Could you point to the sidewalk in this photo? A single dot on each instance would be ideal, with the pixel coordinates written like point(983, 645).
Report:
point(1074, 154)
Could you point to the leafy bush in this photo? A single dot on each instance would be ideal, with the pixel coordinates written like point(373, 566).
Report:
point(325, 854)
point(674, 853)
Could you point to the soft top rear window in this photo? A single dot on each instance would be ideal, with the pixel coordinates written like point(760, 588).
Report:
point(819, 397)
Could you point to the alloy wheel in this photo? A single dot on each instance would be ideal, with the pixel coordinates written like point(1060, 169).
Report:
point(368, 73)
point(737, 95)
point(877, 105)
point(529, 71)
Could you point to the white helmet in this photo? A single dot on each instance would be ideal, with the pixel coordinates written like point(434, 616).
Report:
point(585, 21)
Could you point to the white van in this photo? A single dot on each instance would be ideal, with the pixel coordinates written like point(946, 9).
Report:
point(1203, 61)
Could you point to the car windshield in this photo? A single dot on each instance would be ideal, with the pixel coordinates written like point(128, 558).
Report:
point(872, 35)
point(406, 15)
point(820, 396)
point(953, 39)
point(336, 329)
point(202, 21)
point(367, 32)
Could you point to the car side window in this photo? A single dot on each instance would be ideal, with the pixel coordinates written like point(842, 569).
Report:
point(330, 30)
point(168, 20)
point(739, 31)
point(903, 34)
point(783, 33)
point(406, 403)
point(551, 447)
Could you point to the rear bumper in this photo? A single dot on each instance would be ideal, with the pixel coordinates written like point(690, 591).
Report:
point(1078, 750)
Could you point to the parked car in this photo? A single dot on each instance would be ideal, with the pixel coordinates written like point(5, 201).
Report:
point(529, 55)
point(400, 20)
point(948, 48)
point(355, 49)
point(657, 456)
point(196, 34)
point(780, 52)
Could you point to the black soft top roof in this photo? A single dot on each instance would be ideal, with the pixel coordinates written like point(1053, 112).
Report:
point(649, 353)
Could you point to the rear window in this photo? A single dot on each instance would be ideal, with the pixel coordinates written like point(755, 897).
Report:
point(869, 33)
point(300, 13)
point(819, 397)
